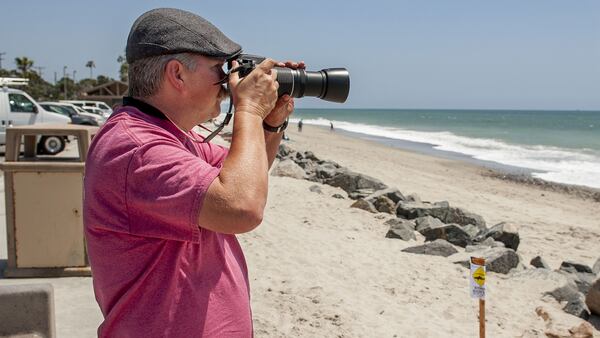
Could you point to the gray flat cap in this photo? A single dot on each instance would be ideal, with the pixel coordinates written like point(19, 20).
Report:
point(169, 31)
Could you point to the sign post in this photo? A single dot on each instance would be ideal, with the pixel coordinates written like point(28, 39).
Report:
point(477, 281)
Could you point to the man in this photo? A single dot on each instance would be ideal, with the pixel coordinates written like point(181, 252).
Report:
point(161, 208)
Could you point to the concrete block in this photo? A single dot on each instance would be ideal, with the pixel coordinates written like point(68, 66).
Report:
point(27, 311)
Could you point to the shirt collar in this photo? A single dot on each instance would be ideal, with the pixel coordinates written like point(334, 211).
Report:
point(143, 107)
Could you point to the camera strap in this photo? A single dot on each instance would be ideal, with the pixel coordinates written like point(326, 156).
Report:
point(225, 122)
point(229, 113)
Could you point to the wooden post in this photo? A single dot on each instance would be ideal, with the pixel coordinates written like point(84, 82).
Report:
point(482, 318)
point(481, 262)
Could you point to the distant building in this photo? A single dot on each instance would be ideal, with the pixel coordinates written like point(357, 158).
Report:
point(111, 92)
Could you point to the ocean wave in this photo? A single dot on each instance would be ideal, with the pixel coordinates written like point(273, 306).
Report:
point(570, 166)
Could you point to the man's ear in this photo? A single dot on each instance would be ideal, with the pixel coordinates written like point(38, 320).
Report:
point(173, 74)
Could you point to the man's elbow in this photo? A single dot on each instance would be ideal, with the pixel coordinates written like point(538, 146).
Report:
point(248, 219)
point(254, 219)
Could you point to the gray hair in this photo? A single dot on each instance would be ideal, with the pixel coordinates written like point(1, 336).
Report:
point(145, 75)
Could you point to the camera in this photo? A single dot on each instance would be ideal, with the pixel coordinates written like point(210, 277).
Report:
point(331, 84)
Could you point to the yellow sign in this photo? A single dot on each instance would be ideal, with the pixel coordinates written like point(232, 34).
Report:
point(479, 276)
point(477, 280)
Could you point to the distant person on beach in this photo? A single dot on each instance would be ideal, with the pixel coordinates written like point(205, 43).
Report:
point(300, 126)
point(161, 208)
point(330, 126)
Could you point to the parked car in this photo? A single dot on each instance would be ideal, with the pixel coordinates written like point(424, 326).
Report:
point(97, 104)
point(100, 118)
point(76, 118)
point(73, 109)
point(17, 108)
point(97, 111)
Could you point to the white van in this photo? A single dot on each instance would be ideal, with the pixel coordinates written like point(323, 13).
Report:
point(17, 108)
point(96, 104)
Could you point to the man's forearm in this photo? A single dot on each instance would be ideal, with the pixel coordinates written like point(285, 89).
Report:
point(245, 167)
point(272, 141)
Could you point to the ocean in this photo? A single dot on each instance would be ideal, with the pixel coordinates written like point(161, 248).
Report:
point(558, 146)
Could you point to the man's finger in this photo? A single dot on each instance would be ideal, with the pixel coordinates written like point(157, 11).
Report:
point(234, 76)
point(267, 65)
point(281, 102)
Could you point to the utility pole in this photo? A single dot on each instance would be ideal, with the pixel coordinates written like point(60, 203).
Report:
point(65, 81)
point(55, 78)
point(39, 69)
point(74, 90)
point(1, 53)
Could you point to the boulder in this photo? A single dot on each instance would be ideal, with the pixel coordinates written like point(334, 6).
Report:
point(577, 307)
point(488, 243)
point(592, 298)
point(539, 262)
point(582, 280)
point(428, 222)
point(364, 205)
point(401, 229)
point(288, 168)
point(360, 194)
point(492, 243)
point(452, 233)
point(338, 196)
point(392, 193)
point(284, 151)
point(475, 248)
point(506, 233)
point(573, 267)
point(394, 221)
point(472, 230)
point(500, 260)
point(310, 156)
point(439, 247)
point(413, 198)
point(350, 181)
point(412, 210)
point(325, 171)
point(308, 166)
point(461, 217)
point(583, 330)
point(596, 267)
point(315, 188)
point(384, 204)
point(575, 300)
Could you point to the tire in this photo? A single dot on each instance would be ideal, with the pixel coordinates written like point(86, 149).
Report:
point(51, 145)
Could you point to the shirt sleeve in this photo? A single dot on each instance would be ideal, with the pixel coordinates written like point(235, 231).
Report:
point(166, 186)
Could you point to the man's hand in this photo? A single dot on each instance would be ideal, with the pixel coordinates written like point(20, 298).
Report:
point(256, 93)
point(285, 104)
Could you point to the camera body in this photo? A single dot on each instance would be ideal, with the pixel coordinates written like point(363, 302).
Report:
point(331, 84)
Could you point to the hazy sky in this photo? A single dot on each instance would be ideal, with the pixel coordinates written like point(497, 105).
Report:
point(512, 54)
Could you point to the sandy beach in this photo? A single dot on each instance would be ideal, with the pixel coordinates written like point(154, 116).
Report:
point(319, 268)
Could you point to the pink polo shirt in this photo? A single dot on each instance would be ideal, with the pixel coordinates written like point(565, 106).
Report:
point(156, 273)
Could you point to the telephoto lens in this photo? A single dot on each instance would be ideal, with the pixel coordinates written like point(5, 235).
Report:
point(332, 84)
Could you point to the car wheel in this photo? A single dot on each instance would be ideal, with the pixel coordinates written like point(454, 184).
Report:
point(51, 145)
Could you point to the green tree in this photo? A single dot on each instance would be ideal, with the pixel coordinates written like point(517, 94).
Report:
point(91, 65)
point(124, 68)
point(24, 65)
point(39, 88)
point(71, 88)
point(101, 79)
point(86, 84)
point(8, 73)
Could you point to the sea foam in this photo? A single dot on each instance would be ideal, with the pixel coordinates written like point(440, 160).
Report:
point(570, 166)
